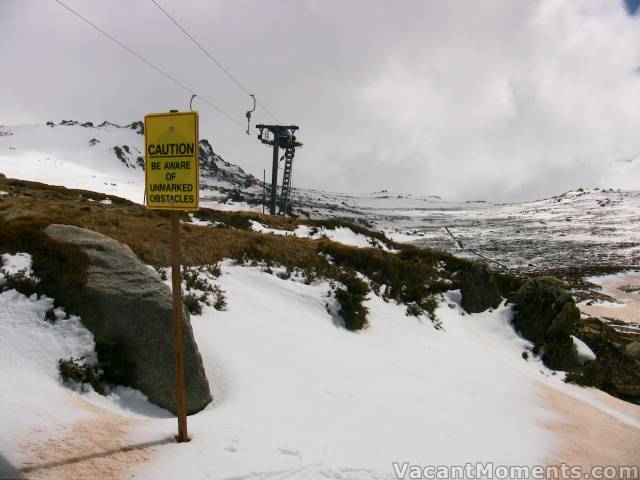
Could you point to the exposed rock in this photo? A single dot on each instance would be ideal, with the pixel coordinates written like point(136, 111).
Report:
point(613, 370)
point(479, 288)
point(213, 165)
point(537, 303)
point(129, 311)
point(633, 350)
point(547, 315)
point(138, 126)
point(628, 390)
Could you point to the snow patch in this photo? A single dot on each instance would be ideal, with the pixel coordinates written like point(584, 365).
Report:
point(347, 236)
point(32, 395)
point(330, 402)
point(585, 354)
point(18, 263)
point(204, 223)
point(342, 235)
point(231, 206)
point(128, 402)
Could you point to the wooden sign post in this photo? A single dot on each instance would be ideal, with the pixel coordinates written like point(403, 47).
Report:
point(176, 285)
point(172, 183)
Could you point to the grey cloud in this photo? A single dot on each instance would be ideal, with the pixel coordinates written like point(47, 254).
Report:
point(500, 99)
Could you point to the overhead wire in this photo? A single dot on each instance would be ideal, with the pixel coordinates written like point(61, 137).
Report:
point(150, 64)
point(211, 57)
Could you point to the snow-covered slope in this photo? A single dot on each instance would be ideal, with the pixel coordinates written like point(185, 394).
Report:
point(107, 158)
point(302, 396)
point(296, 395)
point(76, 156)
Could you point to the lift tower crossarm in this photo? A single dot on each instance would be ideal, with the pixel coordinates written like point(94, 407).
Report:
point(283, 137)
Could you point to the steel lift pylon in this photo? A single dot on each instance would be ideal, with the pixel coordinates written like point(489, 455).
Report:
point(283, 136)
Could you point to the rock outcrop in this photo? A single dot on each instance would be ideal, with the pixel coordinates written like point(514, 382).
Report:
point(479, 288)
point(616, 369)
point(546, 314)
point(633, 350)
point(129, 311)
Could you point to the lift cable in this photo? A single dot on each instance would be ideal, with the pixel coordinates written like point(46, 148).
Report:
point(156, 68)
point(199, 45)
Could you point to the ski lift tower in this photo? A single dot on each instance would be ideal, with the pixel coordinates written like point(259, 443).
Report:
point(280, 136)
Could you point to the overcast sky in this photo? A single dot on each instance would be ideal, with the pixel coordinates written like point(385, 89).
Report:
point(488, 99)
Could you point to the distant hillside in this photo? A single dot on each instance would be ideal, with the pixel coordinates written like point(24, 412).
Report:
point(107, 157)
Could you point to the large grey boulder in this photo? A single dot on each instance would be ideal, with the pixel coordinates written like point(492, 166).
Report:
point(129, 311)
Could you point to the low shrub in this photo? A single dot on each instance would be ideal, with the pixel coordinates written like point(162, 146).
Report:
point(192, 279)
point(60, 268)
point(201, 290)
point(220, 302)
point(213, 270)
point(20, 281)
point(77, 371)
point(426, 306)
point(192, 303)
point(409, 277)
point(231, 219)
point(351, 299)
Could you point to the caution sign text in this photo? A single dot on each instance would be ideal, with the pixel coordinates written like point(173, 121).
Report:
point(171, 160)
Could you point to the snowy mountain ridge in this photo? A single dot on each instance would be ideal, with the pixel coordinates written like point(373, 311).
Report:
point(105, 157)
point(106, 144)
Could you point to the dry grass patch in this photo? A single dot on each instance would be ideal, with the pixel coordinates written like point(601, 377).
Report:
point(411, 277)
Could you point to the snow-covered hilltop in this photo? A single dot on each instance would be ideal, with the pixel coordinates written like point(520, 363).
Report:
point(106, 157)
point(586, 227)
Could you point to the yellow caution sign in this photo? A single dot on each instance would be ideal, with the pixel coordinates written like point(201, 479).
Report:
point(171, 161)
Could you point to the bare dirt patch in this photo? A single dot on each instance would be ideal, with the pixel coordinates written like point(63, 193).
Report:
point(622, 288)
point(588, 436)
point(97, 448)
